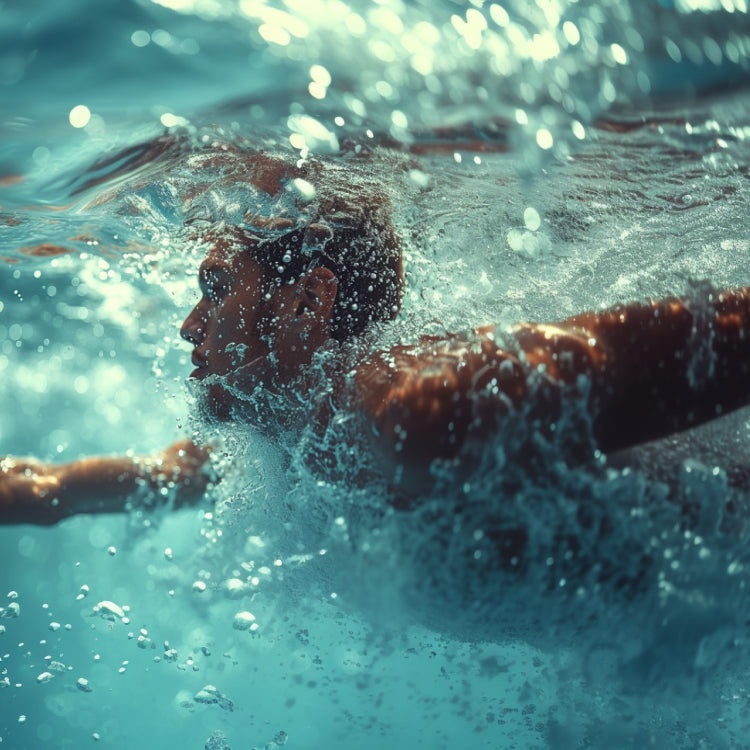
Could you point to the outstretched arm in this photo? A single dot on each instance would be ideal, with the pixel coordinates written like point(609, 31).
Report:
point(39, 493)
point(655, 368)
point(651, 369)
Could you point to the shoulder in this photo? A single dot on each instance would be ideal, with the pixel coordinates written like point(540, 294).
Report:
point(425, 401)
point(448, 368)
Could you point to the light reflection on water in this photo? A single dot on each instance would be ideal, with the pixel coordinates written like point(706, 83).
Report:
point(91, 363)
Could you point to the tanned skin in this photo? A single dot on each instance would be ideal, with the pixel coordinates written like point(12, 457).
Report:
point(35, 492)
point(647, 370)
point(425, 402)
point(650, 370)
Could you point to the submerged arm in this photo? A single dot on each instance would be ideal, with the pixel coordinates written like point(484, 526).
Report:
point(650, 369)
point(655, 368)
point(39, 493)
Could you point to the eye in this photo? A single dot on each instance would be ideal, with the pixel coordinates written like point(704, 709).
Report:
point(216, 293)
point(214, 287)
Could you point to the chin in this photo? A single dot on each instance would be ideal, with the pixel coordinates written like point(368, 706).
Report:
point(212, 402)
point(219, 404)
point(246, 403)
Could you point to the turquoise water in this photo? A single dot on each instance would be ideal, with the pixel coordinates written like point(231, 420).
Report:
point(372, 629)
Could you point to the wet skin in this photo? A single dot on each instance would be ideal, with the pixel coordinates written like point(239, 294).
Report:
point(427, 401)
point(250, 332)
point(650, 369)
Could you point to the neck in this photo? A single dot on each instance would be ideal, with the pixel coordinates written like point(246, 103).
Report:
point(294, 402)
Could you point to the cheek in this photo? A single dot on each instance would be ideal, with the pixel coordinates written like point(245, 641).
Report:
point(239, 337)
point(239, 319)
point(237, 354)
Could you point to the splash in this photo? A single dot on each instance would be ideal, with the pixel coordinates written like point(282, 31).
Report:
point(596, 605)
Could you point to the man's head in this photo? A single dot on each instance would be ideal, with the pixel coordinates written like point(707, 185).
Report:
point(277, 288)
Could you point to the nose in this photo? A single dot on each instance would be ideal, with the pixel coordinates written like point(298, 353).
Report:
point(194, 327)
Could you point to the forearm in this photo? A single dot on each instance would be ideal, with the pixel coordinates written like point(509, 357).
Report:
point(33, 492)
point(105, 485)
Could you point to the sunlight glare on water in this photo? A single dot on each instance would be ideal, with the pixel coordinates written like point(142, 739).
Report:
point(543, 158)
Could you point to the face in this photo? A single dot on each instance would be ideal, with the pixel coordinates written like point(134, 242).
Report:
point(247, 339)
point(226, 327)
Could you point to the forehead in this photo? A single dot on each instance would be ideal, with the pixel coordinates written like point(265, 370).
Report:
point(231, 264)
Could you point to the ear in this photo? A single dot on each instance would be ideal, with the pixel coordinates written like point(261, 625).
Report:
point(315, 295)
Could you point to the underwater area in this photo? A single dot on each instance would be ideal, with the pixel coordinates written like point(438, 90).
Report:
point(543, 158)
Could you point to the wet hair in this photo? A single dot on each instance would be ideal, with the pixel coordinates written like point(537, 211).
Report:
point(346, 228)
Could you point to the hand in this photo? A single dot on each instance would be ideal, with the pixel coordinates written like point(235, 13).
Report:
point(35, 492)
point(182, 463)
point(26, 483)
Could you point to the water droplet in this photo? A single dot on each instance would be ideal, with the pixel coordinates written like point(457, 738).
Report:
point(419, 178)
point(109, 610)
point(243, 620)
point(532, 219)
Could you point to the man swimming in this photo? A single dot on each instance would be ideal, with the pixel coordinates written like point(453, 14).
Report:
point(294, 283)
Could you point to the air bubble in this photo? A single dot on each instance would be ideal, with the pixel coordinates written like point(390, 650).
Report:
point(109, 610)
point(305, 190)
point(544, 139)
point(532, 219)
point(234, 587)
point(12, 611)
point(243, 620)
point(79, 116)
point(419, 178)
point(209, 694)
point(140, 38)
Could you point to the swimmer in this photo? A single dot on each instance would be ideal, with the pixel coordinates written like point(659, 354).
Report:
point(291, 293)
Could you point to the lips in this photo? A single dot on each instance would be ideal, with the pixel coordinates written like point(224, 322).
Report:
point(201, 366)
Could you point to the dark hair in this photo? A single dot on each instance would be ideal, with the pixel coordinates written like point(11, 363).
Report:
point(347, 228)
